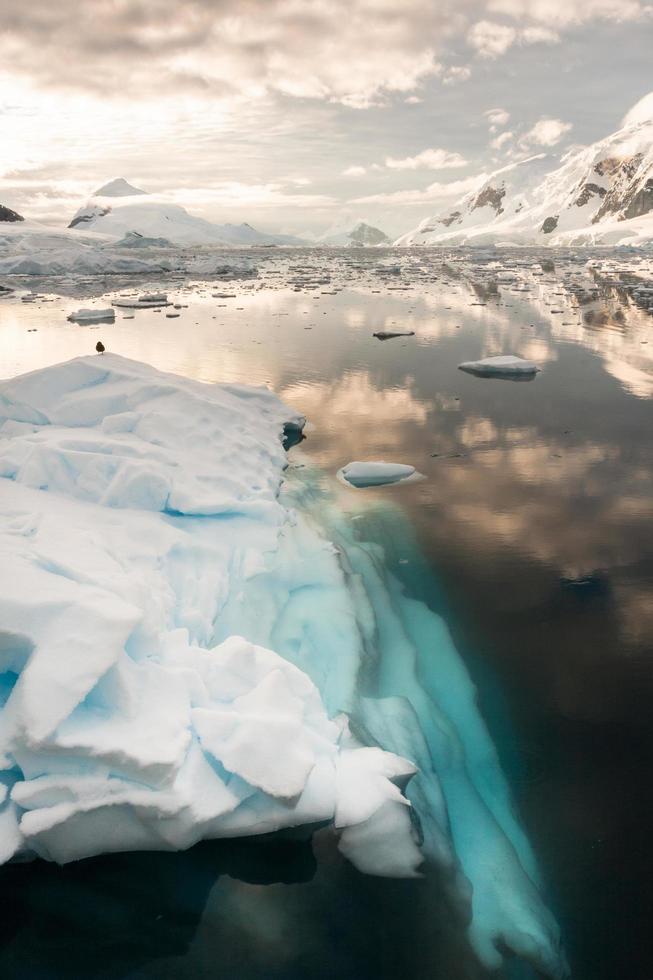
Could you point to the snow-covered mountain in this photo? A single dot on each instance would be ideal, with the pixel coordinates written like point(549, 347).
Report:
point(6, 214)
point(119, 187)
point(597, 195)
point(119, 210)
point(360, 234)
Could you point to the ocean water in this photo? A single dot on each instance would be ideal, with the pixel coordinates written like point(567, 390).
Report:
point(530, 532)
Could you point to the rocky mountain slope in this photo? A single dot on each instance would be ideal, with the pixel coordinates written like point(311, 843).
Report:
point(6, 214)
point(596, 195)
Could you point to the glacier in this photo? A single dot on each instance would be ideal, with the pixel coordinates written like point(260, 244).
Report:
point(192, 646)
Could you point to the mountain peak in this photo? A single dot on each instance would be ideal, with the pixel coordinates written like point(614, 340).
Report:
point(6, 214)
point(118, 187)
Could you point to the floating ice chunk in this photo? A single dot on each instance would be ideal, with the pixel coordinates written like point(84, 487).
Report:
point(93, 316)
point(375, 474)
point(145, 302)
point(502, 365)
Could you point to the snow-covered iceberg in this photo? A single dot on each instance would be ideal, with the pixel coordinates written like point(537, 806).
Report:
point(189, 650)
point(125, 724)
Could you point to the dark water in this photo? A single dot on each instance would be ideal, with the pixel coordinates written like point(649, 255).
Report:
point(534, 519)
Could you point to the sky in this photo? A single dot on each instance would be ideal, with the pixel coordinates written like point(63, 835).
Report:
point(304, 115)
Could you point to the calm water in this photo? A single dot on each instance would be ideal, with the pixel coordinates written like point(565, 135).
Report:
point(534, 519)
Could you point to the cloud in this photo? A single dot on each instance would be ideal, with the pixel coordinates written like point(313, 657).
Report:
point(539, 35)
point(353, 52)
point(496, 118)
point(502, 139)
point(559, 14)
point(455, 74)
point(491, 40)
point(435, 193)
point(546, 132)
point(431, 159)
point(354, 171)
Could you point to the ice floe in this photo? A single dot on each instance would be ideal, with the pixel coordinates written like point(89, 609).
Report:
point(503, 364)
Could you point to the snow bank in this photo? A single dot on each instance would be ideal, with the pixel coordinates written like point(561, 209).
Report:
point(502, 365)
point(375, 474)
point(188, 652)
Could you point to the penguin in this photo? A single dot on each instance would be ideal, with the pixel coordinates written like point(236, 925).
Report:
point(100, 347)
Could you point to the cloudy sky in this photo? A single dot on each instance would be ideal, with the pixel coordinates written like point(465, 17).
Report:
point(300, 115)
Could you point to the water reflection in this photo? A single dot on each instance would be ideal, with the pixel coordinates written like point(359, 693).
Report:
point(536, 513)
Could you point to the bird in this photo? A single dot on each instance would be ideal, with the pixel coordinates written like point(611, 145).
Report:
point(99, 347)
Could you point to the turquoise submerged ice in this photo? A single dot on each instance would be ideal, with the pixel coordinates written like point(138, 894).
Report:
point(187, 653)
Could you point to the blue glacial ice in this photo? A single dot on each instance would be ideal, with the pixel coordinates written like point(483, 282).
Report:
point(186, 652)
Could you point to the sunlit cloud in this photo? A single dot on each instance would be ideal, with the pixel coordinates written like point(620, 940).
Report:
point(428, 160)
point(435, 193)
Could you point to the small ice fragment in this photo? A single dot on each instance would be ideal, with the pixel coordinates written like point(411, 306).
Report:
point(375, 474)
point(153, 298)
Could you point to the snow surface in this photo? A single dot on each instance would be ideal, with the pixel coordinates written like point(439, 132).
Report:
point(500, 365)
point(375, 473)
point(182, 645)
point(123, 213)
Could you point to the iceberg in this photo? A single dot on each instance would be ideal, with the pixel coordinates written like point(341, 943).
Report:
point(192, 647)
